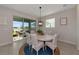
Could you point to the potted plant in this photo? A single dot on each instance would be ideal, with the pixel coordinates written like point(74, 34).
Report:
point(40, 32)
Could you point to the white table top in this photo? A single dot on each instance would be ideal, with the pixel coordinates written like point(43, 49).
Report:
point(45, 37)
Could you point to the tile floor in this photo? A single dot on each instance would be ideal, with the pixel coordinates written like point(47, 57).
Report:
point(67, 49)
point(13, 49)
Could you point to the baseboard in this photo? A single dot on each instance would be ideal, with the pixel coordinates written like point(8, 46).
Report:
point(5, 43)
point(66, 42)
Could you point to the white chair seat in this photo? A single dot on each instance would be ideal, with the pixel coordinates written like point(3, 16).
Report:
point(35, 43)
point(28, 40)
point(53, 43)
point(38, 46)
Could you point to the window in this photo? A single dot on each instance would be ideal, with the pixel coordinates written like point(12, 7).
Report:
point(33, 24)
point(26, 25)
point(50, 23)
point(17, 24)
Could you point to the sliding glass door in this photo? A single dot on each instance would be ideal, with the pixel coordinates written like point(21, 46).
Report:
point(21, 25)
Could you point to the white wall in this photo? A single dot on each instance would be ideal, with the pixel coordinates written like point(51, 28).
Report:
point(77, 25)
point(67, 33)
point(6, 18)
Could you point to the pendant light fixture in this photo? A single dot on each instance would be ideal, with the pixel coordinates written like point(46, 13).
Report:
point(40, 23)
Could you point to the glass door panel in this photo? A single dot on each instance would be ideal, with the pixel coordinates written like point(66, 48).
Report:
point(26, 26)
point(17, 28)
point(33, 25)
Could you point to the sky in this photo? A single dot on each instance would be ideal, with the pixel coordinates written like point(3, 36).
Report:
point(19, 24)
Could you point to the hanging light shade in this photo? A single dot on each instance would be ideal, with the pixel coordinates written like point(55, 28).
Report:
point(40, 23)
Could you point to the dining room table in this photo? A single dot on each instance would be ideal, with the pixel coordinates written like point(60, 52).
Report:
point(46, 38)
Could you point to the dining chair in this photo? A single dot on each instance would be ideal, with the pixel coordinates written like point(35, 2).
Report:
point(32, 31)
point(28, 39)
point(52, 44)
point(35, 43)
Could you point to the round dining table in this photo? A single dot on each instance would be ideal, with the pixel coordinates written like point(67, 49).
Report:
point(45, 38)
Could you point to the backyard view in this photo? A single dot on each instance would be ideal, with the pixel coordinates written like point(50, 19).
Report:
point(20, 27)
point(18, 30)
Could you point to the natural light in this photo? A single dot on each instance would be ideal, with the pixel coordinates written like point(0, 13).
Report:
point(50, 23)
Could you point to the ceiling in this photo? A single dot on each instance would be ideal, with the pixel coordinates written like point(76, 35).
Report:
point(33, 9)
